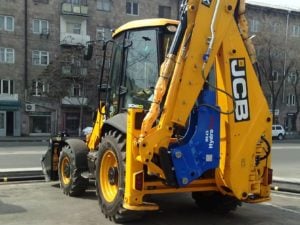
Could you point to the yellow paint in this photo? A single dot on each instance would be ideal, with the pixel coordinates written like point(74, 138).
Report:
point(136, 24)
point(241, 142)
point(132, 197)
point(65, 164)
point(109, 191)
point(93, 139)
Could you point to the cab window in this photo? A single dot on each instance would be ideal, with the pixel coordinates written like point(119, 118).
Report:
point(141, 67)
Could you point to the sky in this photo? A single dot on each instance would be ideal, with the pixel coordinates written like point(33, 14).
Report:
point(287, 4)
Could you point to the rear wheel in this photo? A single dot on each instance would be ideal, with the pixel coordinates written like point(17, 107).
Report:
point(216, 202)
point(110, 177)
point(69, 173)
point(280, 137)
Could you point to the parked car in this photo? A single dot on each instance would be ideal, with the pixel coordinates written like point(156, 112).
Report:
point(87, 130)
point(278, 131)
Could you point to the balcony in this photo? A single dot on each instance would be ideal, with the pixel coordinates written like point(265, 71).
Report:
point(73, 39)
point(9, 97)
point(74, 101)
point(72, 71)
point(70, 9)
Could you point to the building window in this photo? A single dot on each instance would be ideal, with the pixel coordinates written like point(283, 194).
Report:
point(132, 7)
point(7, 55)
point(104, 5)
point(40, 123)
point(296, 31)
point(72, 123)
point(76, 90)
point(7, 87)
point(66, 70)
point(40, 26)
point(254, 25)
point(7, 23)
point(74, 28)
point(41, 1)
point(103, 34)
point(40, 58)
point(38, 88)
point(164, 11)
point(76, 2)
point(274, 76)
point(292, 78)
point(290, 100)
point(276, 27)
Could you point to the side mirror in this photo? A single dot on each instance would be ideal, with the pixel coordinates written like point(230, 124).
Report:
point(88, 53)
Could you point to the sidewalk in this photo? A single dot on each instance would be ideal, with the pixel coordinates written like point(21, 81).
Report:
point(286, 184)
point(25, 139)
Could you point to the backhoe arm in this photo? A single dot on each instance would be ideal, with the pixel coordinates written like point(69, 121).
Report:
point(211, 33)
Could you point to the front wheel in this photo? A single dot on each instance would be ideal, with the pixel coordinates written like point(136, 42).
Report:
point(110, 177)
point(280, 137)
point(69, 173)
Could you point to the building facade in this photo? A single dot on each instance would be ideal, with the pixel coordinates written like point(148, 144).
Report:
point(41, 35)
point(276, 35)
point(47, 37)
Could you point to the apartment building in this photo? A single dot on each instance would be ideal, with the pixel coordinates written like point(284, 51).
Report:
point(49, 35)
point(276, 35)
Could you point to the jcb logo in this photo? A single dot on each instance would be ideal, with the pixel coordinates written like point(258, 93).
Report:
point(239, 89)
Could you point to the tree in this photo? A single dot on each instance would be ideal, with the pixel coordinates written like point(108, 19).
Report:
point(271, 65)
point(275, 61)
point(296, 90)
point(69, 82)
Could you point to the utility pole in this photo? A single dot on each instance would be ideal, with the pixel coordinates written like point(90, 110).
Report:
point(285, 53)
point(25, 50)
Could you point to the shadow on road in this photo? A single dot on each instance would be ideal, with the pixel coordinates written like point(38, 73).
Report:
point(10, 208)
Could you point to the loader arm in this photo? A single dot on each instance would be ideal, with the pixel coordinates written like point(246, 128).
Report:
point(209, 34)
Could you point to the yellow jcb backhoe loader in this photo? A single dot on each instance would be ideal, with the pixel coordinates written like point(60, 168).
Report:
point(181, 111)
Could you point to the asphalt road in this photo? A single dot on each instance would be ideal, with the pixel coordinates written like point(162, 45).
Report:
point(286, 159)
point(21, 154)
point(285, 156)
point(44, 203)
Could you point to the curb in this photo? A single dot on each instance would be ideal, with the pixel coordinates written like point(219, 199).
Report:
point(36, 173)
point(21, 174)
point(24, 140)
point(286, 185)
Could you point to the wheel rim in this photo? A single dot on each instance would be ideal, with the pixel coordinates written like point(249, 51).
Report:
point(65, 171)
point(108, 176)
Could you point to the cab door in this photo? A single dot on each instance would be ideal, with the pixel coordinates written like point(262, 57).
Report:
point(2, 123)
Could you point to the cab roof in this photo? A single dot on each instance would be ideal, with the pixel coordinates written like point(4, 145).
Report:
point(135, 24)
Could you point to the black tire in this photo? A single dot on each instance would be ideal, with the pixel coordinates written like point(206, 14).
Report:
point(216, 202)
point(71, 164)
point(280, 137)
point(113, 146)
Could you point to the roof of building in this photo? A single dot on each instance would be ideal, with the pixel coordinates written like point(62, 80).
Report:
point(277, 4)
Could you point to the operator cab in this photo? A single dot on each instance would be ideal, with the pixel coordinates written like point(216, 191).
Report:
point(139, 48)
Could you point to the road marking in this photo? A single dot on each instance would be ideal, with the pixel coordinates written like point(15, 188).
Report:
point(23, 153)
point(20, 169)
point(286, 180)
point(297, 197)
point(280, 207)
point(285, 147)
